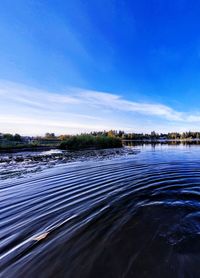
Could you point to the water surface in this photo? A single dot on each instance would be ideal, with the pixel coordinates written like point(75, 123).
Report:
point(130, 216)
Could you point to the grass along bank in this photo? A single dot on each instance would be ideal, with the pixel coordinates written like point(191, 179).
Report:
point(86, 141)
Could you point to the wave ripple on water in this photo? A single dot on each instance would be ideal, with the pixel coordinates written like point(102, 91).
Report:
point(131, 217)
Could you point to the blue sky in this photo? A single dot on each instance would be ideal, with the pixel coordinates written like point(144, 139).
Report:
point(81, 65)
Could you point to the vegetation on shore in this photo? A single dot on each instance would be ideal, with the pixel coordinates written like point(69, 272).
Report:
point(86, 141)
point(100, 139)
point(72, 142)
point(162, 136)
point(9, 142)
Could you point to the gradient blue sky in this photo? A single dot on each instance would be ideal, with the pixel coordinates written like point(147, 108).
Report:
point(81, 65)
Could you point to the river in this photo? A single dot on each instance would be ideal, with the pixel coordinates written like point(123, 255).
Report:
point(132, 215)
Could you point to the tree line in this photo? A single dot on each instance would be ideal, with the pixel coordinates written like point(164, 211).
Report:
point(111, 133)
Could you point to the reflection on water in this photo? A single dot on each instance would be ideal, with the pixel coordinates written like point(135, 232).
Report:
point(137, 216)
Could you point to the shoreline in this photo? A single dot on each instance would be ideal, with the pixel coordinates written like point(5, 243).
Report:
point(15, 149)
point(161, 140)
point(27, 149)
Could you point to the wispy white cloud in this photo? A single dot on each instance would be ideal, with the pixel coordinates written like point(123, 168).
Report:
point(31, 121)
point(35, 97)
point(77, 110)
point(111, 101)
point(193, 118)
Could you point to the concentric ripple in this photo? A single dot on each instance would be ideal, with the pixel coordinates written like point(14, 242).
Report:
point(131, 217)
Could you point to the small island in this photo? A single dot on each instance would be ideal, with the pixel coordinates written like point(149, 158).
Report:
point(86, 141)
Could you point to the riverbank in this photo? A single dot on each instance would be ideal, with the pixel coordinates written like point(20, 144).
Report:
point(27, 148)
point(162, 141)
point(76, 142)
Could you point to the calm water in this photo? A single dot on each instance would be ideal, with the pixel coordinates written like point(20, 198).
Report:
point(134, 216)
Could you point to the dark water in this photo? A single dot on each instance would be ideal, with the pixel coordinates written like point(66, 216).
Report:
point(136, 216)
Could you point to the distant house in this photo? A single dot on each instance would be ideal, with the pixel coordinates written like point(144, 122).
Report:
point(44, 141)
point(163, 138)
point(27, 139)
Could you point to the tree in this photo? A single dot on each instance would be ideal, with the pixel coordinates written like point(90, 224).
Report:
point(111, 133)
point(49, 135)
point(17, 137)
point(8, 136)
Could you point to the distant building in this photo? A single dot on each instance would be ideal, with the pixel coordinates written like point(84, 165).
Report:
point(153, 133)
point(163, 138)
point(27, 139)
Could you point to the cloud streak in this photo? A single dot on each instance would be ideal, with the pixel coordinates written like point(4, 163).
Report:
point(115, 102)
point(78, 110)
